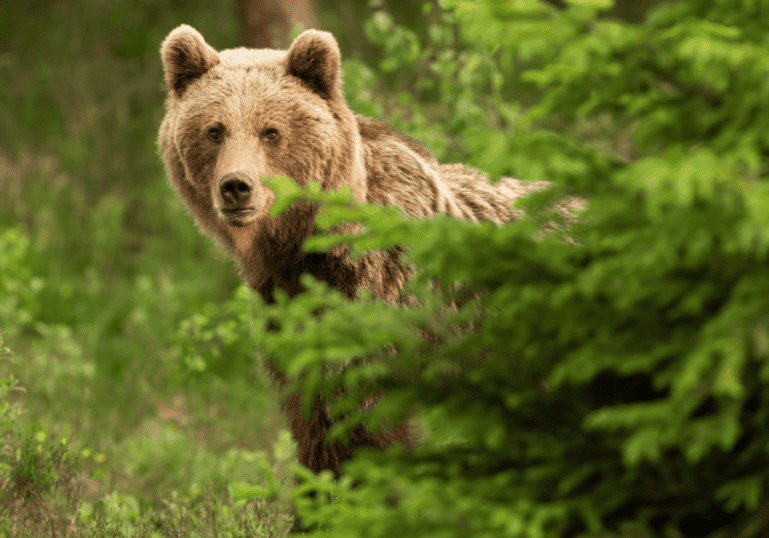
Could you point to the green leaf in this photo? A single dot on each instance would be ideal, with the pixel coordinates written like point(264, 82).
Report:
point(593, 4)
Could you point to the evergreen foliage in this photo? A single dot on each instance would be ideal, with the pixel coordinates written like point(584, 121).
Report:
point(610, 380)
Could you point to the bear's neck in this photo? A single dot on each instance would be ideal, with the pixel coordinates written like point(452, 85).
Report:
point(276, 260)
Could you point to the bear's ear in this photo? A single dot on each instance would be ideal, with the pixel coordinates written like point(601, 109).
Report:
point(314, 57)
point(186, 57)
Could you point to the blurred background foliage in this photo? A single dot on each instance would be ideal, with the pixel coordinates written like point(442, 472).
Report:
point(622, 391)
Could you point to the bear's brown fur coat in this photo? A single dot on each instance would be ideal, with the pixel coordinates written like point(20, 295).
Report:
point(237, 115)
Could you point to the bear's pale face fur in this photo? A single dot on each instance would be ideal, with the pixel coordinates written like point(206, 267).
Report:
point(239, 115)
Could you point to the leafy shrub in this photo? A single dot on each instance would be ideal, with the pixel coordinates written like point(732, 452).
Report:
point(19, 289)
point(614, 385)
point(8, 415)
point(39, 482)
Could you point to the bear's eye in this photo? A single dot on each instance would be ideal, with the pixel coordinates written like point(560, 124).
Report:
point(271, 135)
point(215, 134)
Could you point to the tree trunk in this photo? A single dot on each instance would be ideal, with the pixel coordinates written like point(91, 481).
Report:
point(267, 23)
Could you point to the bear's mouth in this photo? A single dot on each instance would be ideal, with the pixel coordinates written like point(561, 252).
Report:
point(239, 216)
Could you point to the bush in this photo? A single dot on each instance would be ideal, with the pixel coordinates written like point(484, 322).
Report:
point(19, 302)
point(39, 486)
point(615, 384)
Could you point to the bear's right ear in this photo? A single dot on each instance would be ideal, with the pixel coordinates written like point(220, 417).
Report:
point(186, 57)
point(314, 57)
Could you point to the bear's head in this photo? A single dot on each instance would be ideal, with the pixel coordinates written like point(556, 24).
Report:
point(238, 115)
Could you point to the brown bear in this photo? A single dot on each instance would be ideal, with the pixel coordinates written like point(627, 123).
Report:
point(238, 115)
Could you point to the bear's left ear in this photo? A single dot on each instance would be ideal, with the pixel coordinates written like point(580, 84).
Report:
point(314, 57)
point(186, 57)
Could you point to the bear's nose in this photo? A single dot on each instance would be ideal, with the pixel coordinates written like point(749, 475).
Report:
point(235, 187)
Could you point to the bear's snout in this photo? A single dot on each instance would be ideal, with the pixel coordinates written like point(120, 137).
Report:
point(236, 189)
point(237, 203)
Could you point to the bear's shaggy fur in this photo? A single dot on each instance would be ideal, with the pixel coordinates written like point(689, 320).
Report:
point(237, 115)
